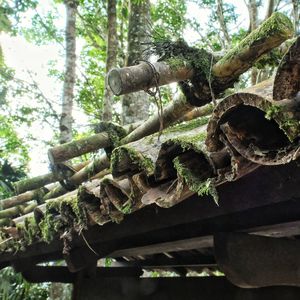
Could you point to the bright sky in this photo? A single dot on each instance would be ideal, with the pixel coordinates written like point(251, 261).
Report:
point(23, 56)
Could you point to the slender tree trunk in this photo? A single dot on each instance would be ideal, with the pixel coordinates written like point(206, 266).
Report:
point(296, 16)
point(111, 56)
point(220, 14)
point(270, 8)
point(252, 9)
point(136, 105)
point(69, 80)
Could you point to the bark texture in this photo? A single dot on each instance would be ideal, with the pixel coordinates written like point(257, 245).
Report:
point(66, 119)
point(111, 56)
point(136, 105)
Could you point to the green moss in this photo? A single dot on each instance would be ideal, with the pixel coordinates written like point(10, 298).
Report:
point(195, 184)
point(272, 111)
point(115, 133)
point(178, 54)
point(137, 159)
point(278, 24)
point(31, 231)
point(177, 63)
point(286, 120)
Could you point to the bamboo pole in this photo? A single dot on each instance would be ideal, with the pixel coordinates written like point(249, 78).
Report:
point(42, 180)
point(91, 143)
point(23, 198)
point(135, 78)
point(270, 34)
point(17, 210)
point(76, 148)
point(67, 151)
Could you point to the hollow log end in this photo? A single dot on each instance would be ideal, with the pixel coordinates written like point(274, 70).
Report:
point(115, 82)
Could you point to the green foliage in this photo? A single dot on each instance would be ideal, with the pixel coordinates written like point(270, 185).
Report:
point(168, 19)
point(14, 287)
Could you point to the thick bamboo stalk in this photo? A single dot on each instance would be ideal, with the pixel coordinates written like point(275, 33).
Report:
point(197, 112)
point(22, 218)
point(76, 148)
point(171, 113)
point(92, 143)
point(42, 180)
point(270, 34)
point(4, 222)
point(140, 77)
point(17, 210)
point(267, 36)
point(23, 198)
point(94, 167)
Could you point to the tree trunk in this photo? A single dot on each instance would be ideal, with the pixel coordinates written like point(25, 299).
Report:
point(223, 26)
point(252, 8)
point(270, 8)
point(69, 80)
point(136, 105)
point(296, 14)
point(111, 56)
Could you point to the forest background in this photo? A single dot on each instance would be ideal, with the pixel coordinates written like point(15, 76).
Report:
point(54, 56)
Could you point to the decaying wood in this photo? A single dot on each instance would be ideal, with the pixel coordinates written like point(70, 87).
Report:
point(287, 79)
point(268, 137)
point(269, 35)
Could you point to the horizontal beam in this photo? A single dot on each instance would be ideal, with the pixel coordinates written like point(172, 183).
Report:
point(175, 288)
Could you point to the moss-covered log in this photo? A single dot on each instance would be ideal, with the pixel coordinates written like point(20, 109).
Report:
point(269, 35)
point(260, 129)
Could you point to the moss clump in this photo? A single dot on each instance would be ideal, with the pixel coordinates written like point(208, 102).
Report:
point(177, 63)
point(31, 230)
point(137, 160)
point(286, 120)
point(194, 182)
point(272, 111)
point(115, 133)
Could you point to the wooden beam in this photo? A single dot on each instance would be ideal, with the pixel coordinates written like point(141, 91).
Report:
point(38, 274)
point(204, 288)
point(251, 261)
